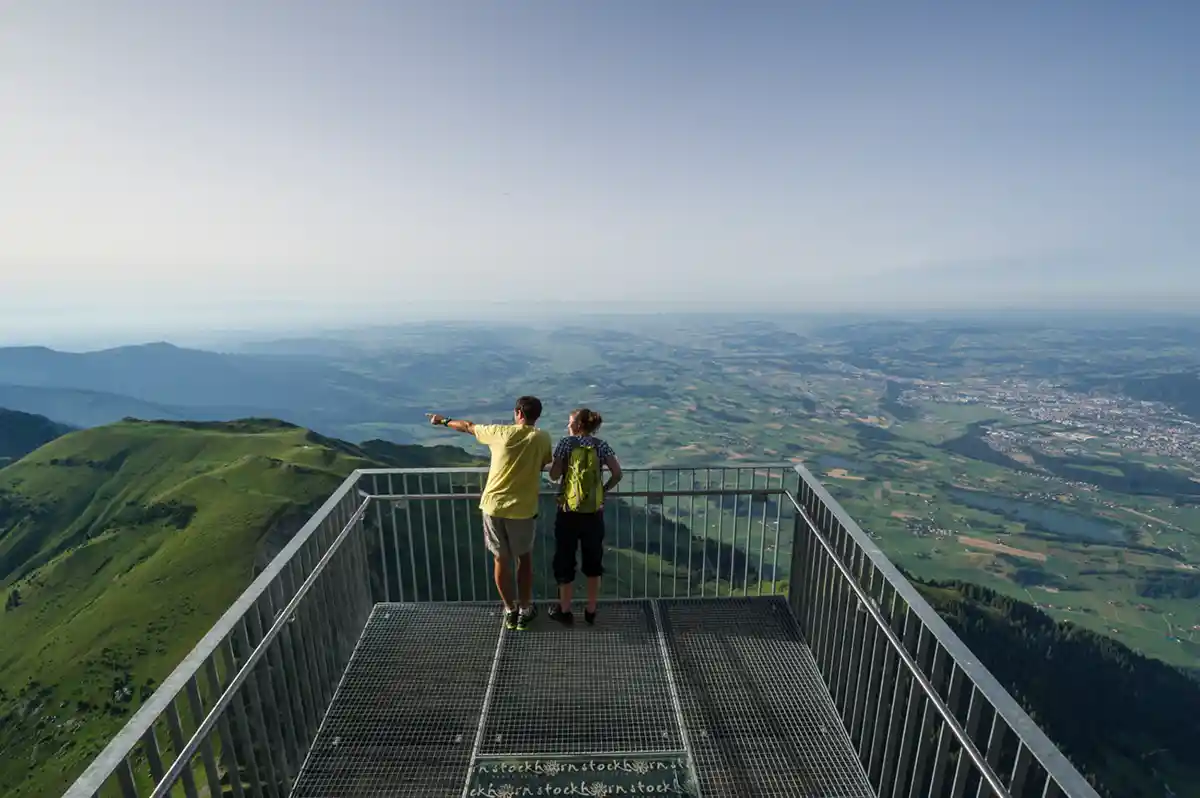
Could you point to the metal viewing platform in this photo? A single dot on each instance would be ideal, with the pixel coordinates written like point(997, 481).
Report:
point(751, 641)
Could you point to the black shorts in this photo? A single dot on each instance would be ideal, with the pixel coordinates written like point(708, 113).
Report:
point(584, 531)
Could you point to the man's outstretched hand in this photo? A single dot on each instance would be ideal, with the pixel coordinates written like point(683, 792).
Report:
point(435, 418)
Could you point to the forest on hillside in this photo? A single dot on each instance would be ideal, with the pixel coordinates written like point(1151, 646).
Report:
point(1131, 724)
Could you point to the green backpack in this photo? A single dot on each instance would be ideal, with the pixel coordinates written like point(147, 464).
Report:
point(583, 488)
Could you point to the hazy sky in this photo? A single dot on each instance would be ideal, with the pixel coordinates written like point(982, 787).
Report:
point(205, 164)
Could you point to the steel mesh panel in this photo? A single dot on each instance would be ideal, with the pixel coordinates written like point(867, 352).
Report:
point(583, 689)
point(758, 715)
point(405, 716)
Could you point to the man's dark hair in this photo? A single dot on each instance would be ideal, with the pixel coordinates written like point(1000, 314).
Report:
point(530, 408)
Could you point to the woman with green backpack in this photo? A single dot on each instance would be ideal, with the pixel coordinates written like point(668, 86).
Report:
point(579, 461)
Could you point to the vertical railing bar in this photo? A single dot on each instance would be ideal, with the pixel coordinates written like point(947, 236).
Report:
point(824, 627)
point(866, 731)
point(288, 672)
point(1051, 790)
point(720, 532)
point(319, 630)
point(1020, 771)
point(228, 746)
point(470, 542)
point(898, 721)
point(749, 544)
point(962, 770)
point(920, 764)
point(995, 748)
point(691, 542)
point(177, 742)
point(704, 539)
point(762, 531)
point(383, 566)
point(360, 573)
point(441, 533)
point(613, 548)
point(846, 696)
point(825, 602)
point(412, 556)
point(907, 743)
point(125, 779)
point(153, 754)
point(778, 531)
point(941, 757)
point(206, 749)
point(883, 700)
point(675, 544)
point(297, 631)
point(845, 614)
point(396, 542)
point(662, 560)
point(840, 605)
point(854, 709)
point(254, 696)
point(285, 725)
point(737, 487)
point(425, 537)
point(241, 720)
point(857, 613)
point(646, 543)
point(815, 588)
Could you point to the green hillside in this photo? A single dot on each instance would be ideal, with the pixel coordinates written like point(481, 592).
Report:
point(21, 433)
point(1138, 742)
point(119, 547)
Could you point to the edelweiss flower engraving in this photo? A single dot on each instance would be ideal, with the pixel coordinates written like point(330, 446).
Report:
point(506, 791)
point(598, 789)
point(641, 767)
point(551, 768)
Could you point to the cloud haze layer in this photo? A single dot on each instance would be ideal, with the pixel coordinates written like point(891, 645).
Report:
point(209, 164)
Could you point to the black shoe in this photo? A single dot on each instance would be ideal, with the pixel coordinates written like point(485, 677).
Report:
point(511, 619)
point(565, 617)
point(526, 615)
point(590, 617)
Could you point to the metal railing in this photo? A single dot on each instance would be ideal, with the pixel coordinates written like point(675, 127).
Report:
point(240, 713)
point(926, 717)
point(670, 533)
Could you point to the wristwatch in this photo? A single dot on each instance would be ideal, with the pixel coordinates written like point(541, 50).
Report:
point(446, 422)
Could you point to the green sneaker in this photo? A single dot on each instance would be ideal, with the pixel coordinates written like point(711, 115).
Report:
point(511, 619)
point(526, 615)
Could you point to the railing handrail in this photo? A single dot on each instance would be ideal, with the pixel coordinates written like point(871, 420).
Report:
point(616, 494)
point(727, 466)
point(184, 757)
point(120, 746)
point(1043, 749)
point(960, 734)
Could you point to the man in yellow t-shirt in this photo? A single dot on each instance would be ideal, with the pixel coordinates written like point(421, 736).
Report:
point(510, 499)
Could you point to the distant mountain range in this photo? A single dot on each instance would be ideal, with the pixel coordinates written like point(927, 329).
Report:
point(162, 381)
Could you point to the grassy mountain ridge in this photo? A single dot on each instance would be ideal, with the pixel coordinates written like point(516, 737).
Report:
point(119, 547)
point(1131, 724)
point(21, 433)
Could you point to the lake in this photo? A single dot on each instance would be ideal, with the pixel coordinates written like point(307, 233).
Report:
point(1039, 516)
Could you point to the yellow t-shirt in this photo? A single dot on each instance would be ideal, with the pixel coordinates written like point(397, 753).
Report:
point(518, 455)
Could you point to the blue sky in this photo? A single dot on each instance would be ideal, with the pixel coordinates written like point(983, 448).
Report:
point(214, 164)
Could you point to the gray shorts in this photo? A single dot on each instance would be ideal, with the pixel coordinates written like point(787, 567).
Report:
point(509, 537)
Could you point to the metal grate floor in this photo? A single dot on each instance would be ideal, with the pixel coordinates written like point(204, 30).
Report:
point(758, 716)
point(403, 721)
point(586, 689)
point(758, 719)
